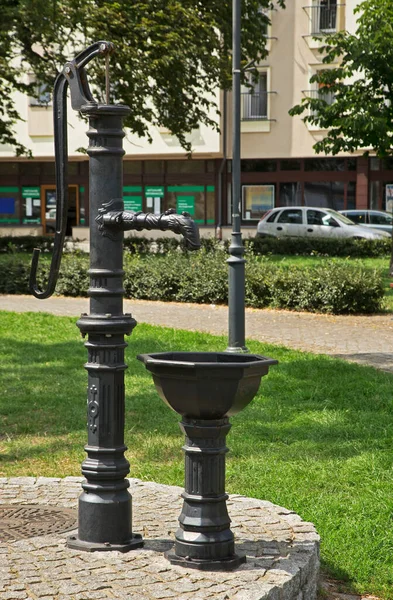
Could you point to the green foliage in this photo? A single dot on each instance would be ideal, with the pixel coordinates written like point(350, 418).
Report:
point(25, 243)
point(361, 248)
point(170, 54)
point(362, 114)
point(143, 245)
point(328, 287)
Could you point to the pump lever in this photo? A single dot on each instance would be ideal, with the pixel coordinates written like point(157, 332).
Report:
point(73, 75)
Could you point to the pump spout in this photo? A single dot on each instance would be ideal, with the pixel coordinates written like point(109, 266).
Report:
point(112, 221)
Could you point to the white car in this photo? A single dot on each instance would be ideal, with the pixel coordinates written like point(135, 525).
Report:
point(377, 219)
point(313, 222)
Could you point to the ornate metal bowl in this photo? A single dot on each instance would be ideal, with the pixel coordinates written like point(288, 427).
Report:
point(206, 385)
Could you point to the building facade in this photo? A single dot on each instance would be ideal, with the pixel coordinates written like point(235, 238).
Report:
point(279, 166)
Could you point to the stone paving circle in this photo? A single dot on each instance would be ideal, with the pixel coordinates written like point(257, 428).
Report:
point(282, 552)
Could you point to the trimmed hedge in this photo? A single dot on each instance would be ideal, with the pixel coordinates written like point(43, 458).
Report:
point(25, 243)
point(355, 248)
point(257, 246)
point(334, 287)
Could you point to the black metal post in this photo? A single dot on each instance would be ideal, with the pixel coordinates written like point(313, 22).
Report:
point(105, 512)
point(236, 261)
point(204, 539)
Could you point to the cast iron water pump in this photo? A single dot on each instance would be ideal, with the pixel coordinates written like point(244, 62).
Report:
point(105, 519)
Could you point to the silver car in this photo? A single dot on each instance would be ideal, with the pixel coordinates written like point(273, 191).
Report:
point(307, 221)
point(377, 219)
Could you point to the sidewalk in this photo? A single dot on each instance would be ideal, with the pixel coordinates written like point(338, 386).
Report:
point(363, 339)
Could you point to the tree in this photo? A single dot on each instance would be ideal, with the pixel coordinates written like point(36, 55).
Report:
point(170, 54)
point(361, 115)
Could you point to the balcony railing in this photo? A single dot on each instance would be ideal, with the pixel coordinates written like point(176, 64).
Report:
point(254, 106)
point(323, 18)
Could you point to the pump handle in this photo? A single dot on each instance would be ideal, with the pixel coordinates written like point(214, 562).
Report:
point(74, 75)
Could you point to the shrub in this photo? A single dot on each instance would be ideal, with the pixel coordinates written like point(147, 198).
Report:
point(142, 245)
point(333, 287)
point(355, 248)
point(329, 288)
point(25, 243)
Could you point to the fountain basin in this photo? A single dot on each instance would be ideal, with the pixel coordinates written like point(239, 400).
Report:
point(206, 385)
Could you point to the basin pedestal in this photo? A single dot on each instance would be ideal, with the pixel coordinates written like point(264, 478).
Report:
point(204, 539)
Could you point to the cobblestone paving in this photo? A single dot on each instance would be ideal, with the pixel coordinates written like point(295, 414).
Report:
point(282, 552)
point(363, 339)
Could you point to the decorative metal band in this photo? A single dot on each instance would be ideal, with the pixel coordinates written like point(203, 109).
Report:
point(96, 291)
point(106, 273)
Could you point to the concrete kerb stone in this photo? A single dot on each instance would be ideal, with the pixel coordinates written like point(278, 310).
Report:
point(282, 552)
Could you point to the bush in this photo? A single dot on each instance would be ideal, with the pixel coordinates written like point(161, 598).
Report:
point(355, 248)
point(25, 243)
point(202, 277)
point(141, 245)
point(329, 288)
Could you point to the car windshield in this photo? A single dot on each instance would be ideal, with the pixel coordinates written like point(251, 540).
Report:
point(340, 217)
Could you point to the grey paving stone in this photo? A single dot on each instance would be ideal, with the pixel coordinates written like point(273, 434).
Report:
point(282, 553)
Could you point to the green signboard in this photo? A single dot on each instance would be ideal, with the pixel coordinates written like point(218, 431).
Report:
point(31, 192)
point(132, 198)
point(133, 203)
point(7, 190)
point(185, 203)
point(132, 188)
point(154, 191)
point(186, 188)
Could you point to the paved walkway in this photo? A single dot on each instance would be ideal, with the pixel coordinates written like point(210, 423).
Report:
point(281, 549)
point(363, 339)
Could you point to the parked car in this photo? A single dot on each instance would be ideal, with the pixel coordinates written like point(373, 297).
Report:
point(308, 221)
point(377, 219)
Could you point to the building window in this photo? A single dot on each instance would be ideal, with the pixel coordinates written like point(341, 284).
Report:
point(324, 194)
point(41, 96)
point(290, 165)
point(323, 16)
point(324, 164)
point(254, 100)
point(374, 195)
point(256, 200)
point(266, 12)
point(185, 166)
point(290, 194)
point(260, 166)
point(132, 167)
point(192, 199)
point(154, 167)
point(351, 194)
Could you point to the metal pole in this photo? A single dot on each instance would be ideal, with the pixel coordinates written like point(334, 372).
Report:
point(236, 261)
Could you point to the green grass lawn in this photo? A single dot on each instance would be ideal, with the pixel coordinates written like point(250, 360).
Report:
point(317, 439)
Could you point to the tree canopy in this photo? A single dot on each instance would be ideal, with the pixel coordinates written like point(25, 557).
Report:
point(170, 54)
point(361, 80)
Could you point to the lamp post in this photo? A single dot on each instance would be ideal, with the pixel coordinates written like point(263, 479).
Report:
point(236, 261)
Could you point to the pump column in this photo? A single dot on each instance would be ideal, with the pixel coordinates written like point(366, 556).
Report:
point(105, 505)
